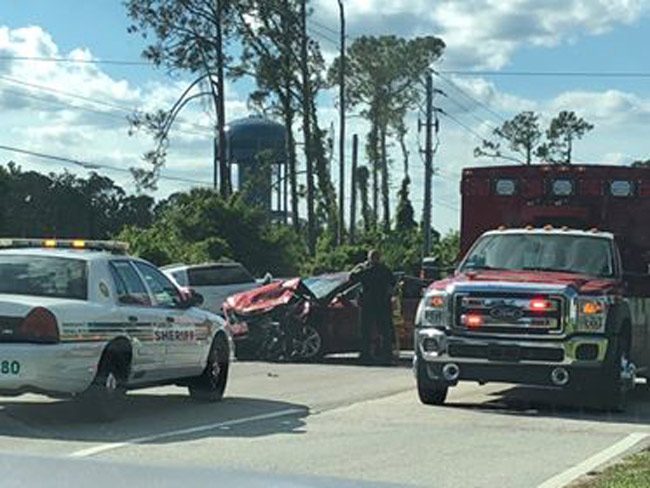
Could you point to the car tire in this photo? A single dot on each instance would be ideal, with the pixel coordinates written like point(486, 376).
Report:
point(310, 345)
point(105, 397)
point(211, 385)
point(430, 392)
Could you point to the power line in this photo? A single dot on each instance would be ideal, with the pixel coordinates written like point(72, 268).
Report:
point(464, 126)
point(103, 113)
point(468, 111)
point(447, 205)
point(91, 165)
point(57, 91)
point(60, 103)
point(322, 36)
point(470, 97)
point(324, 27)
point(47, 59)
point(92, 100)
point(438, 201)
point(574, 74)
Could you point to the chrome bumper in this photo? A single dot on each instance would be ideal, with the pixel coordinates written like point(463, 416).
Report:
point(55, 369)
point(534, 362)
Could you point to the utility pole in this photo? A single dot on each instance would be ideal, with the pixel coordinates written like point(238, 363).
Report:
point(428, 168)
point(215, 157)
point(224, 166)
point(307, 133)
point(278, 180)
point(285, 193)
point(353, 195)
point(341, 230)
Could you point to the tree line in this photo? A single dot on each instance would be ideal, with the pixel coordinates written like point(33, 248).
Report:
point(522, 139)
point(192, 227)
point(34, 204)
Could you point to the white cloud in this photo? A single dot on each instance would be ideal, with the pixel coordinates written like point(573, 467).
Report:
point(605, 108)
point(485, 33)
point(93, 127)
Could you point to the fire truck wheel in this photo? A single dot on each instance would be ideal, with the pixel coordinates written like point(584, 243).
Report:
point(619, 376)
point(430, 392)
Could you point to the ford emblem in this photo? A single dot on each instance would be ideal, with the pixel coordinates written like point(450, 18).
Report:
point(506, 312)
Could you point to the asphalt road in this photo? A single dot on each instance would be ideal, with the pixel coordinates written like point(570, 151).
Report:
point(334, 420)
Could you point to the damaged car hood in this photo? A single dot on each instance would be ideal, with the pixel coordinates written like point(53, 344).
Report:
point(265, 298)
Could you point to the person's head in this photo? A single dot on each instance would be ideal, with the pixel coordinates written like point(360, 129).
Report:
point(374, 256)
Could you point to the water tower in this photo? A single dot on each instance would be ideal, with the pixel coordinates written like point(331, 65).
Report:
point(257, 146)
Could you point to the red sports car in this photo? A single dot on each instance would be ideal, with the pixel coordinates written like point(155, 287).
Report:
point(306, 318)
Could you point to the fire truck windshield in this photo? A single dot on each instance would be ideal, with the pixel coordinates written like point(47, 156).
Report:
point(592, 256)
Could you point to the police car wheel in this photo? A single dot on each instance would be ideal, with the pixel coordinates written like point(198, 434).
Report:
point(211, 385)
point(429, 392)
point(105, 396)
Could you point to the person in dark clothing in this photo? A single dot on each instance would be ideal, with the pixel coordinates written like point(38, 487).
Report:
point(377, 282)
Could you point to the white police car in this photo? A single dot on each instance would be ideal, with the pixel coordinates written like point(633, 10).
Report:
point(83, 319)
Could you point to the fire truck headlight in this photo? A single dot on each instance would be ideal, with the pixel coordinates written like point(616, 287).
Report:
point(432, 311)
point(592, 314)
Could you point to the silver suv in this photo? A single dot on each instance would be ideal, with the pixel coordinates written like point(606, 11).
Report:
point(214, 281)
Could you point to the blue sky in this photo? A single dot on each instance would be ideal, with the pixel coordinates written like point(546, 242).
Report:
point(99, 25)
point(495, 35)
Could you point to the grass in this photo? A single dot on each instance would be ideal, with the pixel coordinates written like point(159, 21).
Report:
point(632, 472)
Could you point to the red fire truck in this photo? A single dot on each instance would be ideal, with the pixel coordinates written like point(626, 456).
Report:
point(553, 289)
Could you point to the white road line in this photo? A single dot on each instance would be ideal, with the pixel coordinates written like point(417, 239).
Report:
point(594, 461)
point(110, 446)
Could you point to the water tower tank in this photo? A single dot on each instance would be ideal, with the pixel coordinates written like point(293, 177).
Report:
point(258, 147)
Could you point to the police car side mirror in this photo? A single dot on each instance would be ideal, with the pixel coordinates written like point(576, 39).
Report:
point(195, 299)
point(268, 279)
point(190, 298)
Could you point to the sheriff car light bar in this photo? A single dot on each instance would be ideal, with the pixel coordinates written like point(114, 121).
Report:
point(114, 247)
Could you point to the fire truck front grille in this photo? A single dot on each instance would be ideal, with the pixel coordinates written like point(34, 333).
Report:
point(506, 352)
point(507, 314)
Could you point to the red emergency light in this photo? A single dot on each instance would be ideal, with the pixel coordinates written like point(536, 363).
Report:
point(539, 305)
point(473, 321)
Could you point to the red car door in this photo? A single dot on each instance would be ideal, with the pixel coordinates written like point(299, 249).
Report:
point(341, 331)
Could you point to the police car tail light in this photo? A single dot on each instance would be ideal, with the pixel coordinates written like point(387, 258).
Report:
point(39, 326)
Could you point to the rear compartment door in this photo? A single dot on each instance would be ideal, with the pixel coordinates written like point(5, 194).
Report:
point(182, 329)
point(342, 322)
point(136, 317)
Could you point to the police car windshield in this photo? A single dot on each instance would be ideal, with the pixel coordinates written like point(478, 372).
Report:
point(591, 256)
point(43, 276)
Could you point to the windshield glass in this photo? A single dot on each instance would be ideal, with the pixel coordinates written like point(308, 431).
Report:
point(541, 252)
point(219, 276)
point(43, 276)
point(321, 286)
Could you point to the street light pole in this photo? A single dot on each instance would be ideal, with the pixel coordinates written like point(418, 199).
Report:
point(341, 230)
